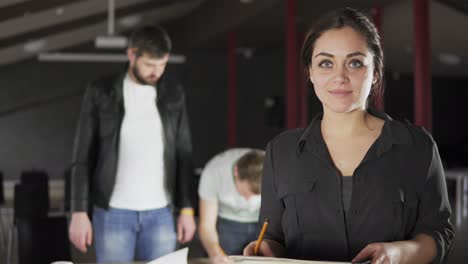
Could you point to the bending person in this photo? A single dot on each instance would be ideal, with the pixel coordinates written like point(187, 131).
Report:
point(229, 202)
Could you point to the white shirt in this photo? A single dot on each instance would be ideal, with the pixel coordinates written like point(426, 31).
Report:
point(217, 184)
point(139, 181)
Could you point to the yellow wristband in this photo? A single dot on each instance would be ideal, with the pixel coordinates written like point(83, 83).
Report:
point(187, 211)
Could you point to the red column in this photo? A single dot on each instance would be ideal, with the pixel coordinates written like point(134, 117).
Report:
point(232, 90)
point(303, 102)
point(291, 65)
point(422, 65)
point(377, 17)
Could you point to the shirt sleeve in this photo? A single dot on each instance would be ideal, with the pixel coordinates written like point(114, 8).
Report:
point(209, 181)
point(271, 206)
point(434, 209)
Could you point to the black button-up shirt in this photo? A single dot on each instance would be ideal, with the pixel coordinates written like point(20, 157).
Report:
point(399, 191)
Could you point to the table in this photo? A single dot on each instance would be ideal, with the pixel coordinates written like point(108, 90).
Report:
point(190, 261)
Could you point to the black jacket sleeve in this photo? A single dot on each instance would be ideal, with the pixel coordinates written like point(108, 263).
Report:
point(434, 209)
point(84, 149)
point(185, 185)
point(271, 206)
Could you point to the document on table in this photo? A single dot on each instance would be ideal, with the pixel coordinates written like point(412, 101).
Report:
point(179, 257)
point(265, 260)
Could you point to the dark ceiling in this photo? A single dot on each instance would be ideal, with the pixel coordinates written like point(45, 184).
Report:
point(30, 27)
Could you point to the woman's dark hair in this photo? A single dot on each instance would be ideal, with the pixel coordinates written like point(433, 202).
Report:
point(347, 17)
point(152, 40)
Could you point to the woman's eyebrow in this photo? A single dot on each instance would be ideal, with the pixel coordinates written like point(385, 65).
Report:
point(357, 53)
point(324, 54)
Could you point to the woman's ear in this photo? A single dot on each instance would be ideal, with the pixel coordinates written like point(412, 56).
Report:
point(236, 172)
point(310, 74)
point(374, 80)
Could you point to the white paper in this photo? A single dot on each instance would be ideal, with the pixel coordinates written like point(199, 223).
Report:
point(265, 260)
point(179, 257)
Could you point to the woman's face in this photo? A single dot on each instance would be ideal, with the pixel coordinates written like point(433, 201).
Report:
point(342, 70)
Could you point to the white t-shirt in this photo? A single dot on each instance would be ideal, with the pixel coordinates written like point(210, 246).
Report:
point(139, 183)
point(217, 184)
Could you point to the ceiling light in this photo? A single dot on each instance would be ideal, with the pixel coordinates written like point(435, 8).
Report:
point(409, 48)
point(111, 41)
point(34, 45)
point(449, 59)
point(130, 21)
point(59, 11)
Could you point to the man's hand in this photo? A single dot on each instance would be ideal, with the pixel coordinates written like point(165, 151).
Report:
point(80, 231)
point(185, 228)
point(220, 259)
point(381, 253)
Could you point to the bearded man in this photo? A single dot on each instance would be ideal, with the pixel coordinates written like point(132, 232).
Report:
point(132, 169)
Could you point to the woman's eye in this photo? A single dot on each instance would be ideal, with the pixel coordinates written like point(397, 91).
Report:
point(356, 64)
point(325, 64)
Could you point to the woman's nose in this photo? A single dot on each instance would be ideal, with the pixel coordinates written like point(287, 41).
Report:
point(341, 75)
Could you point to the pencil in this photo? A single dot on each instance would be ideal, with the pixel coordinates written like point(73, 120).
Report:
point(260, 237)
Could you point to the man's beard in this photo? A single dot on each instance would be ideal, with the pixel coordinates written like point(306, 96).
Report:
point(140, 78)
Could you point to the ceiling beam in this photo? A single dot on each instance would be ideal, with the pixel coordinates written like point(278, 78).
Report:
point(216, 17)
point(78, 15)
point(24, 8)
point(80, 35)
point(5, 3)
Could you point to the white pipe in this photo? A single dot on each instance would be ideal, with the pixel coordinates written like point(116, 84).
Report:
point(111, 18)
point(97, 57)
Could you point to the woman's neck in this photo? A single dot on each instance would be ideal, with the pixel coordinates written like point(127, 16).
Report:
point(345, 124)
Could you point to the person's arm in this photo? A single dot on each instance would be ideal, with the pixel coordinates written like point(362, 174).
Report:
point(207, 230)
point(186, 221)
point(434, 209)
point(433, 232)
point(271, 208)
point(422, 249)
point(80, 230)
point(184, 157)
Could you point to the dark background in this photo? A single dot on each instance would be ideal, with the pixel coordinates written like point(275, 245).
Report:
point(40, 101)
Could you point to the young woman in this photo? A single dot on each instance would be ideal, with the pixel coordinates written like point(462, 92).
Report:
point(355, 184)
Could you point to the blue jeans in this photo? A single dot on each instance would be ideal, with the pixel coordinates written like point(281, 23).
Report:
point(234, 236)
point(125, 235)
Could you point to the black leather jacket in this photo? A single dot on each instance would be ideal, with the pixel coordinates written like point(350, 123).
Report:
point(96, 143)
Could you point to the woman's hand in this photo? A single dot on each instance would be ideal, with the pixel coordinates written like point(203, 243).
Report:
point(268, 248)
point(380, 253)
point(421, 249)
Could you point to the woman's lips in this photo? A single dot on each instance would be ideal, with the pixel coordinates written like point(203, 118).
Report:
point(340, 92)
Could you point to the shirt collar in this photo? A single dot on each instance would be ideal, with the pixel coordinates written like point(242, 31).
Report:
point(393, 133)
